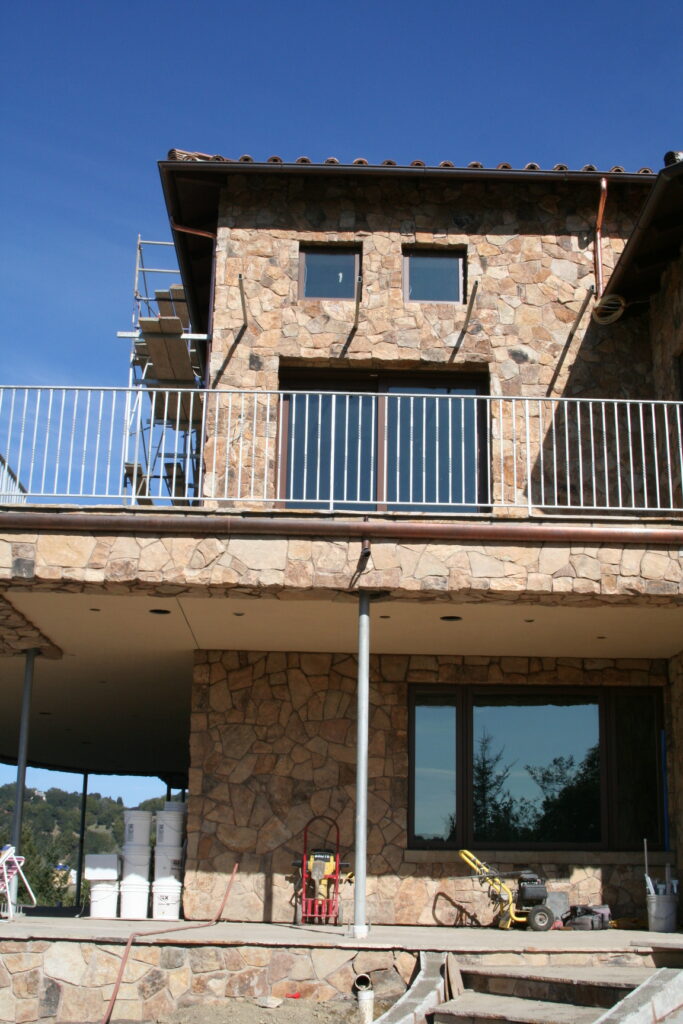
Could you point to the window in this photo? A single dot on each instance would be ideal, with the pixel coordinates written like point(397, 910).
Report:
point(433, 275)
point(331, 272)
point(525, 768)
point(399, 444)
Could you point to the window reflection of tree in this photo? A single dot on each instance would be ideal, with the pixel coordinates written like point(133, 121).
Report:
point(568, 809)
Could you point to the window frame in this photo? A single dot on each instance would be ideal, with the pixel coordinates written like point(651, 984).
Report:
point(306, 249)
point(304, 379)
point(463, 698)
point(455, 252)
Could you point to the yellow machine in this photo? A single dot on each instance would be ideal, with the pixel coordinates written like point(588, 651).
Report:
point(525, 906)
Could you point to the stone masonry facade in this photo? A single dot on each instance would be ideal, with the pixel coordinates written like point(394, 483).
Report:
point(528, 247)
point(273, 744)
point(547, 573)
point(73, 981)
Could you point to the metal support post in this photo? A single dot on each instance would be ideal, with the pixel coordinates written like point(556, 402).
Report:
point(360, 926)
point(22, 757)
point(81, 840)
point(22, 754)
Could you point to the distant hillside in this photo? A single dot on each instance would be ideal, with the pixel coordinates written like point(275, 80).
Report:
point(53, 820)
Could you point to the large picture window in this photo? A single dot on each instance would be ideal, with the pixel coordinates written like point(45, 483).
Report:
point(396, 443)
point(525, 768)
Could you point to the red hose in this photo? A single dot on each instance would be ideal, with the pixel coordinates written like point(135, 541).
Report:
point(164, 931)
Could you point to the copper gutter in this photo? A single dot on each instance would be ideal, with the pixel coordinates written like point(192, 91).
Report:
point(348, 529)
point(597, 255)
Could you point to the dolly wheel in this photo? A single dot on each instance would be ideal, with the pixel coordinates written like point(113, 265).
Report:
point(540, 919)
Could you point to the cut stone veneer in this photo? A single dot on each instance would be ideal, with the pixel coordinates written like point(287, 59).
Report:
point(548, 573)
point(527, 246)
point(18, 634)
point(273, 743)
point(73, 981)
point(666, 330)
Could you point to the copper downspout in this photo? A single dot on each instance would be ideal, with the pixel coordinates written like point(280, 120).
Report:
point(597, 255)
point(269, 526)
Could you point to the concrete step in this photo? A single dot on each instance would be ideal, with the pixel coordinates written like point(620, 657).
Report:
point(582, 986)
point(481, 1008)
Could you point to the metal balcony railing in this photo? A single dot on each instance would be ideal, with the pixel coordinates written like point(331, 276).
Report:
point(428, 452)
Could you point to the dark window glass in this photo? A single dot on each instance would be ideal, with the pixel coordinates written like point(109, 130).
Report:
point(331, 450)
point(434, 778)
point(405, 447)
point(434, 277)
point(636, 756)
point(330, 273)
point(536, 771)
point(432, 449)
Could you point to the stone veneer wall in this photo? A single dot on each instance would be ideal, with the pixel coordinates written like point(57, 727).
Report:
point(273, 743)
point(666, 327)
point(578, 573)
point(527, 245)
point(73, 981)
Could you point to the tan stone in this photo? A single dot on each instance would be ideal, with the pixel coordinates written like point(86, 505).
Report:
point(7, 1005)
point(326, 961)
point(81, 1005)
point(64, 961)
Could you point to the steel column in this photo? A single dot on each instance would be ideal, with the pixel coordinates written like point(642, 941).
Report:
point(81, 839)
point(360, 926)
point(22, 754)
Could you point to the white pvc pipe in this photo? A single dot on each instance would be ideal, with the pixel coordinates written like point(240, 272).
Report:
point(360, 926)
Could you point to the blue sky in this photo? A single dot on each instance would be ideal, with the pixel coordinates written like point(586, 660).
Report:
point(93, 94)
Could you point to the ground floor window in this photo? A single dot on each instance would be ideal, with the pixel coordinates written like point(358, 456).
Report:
point(528, 768)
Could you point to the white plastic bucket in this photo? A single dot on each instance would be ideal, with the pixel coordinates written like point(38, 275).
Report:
point(167, 864)
point(104, 898)
point(134, 900)
point(179, 806)
point(662, 912)
point(170, 828)
point(166, 900)
point(102, 867)
point(137, 827)
point(136, 863)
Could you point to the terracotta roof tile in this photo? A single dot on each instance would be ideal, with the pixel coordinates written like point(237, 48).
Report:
point(185, 155)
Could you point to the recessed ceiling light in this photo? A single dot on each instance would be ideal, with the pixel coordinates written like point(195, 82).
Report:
point(95, 609)
point(451, 618)
point(159, 611)
point(385, 616)
point(238, 614)
point(530, 620)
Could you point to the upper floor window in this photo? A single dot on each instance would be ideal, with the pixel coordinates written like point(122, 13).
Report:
point(433, 275)
point(329, 272)
point(395, 443)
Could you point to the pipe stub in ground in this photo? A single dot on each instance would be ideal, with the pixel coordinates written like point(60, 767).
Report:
point(362, 983)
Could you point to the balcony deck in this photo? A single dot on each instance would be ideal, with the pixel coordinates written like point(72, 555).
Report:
point(407, 454)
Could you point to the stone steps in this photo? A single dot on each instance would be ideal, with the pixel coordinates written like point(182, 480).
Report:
point(526, 994)
point(581, 986)
point(481, 1008)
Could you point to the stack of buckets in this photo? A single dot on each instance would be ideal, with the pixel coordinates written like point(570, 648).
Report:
point(137, 826)
point(167, 886)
